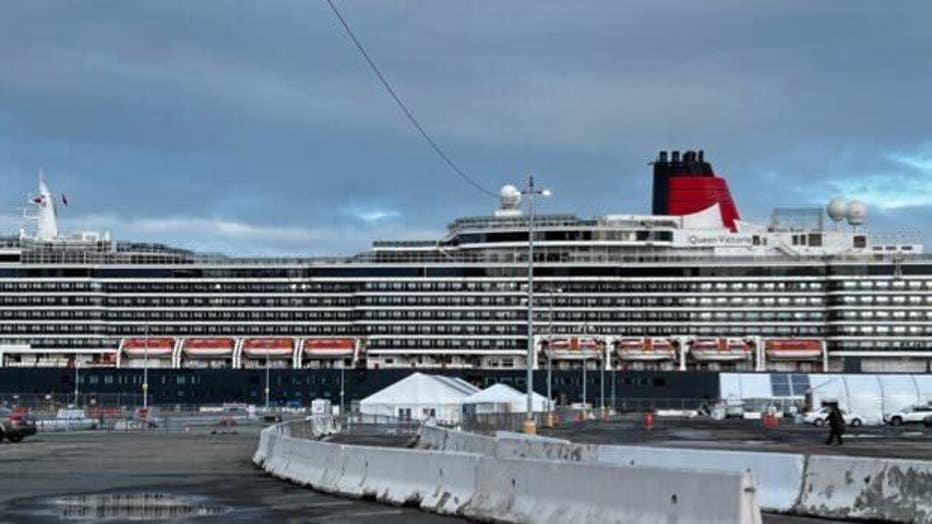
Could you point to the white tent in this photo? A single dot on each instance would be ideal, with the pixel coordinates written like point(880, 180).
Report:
point(868, 395)
point(500, 398)
point(420, 397)
point(871, 396)
point(745, 386)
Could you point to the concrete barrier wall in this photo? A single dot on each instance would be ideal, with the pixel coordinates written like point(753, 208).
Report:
point(506, 445)
point(262, 449)
point(778, 476)
point(518, 446)
point(867, 488)
point(436, 481)
point(544, 491)
point(814, 485)
point(433, 437)
point(510, 490)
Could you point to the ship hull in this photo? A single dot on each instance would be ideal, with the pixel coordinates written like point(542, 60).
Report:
point(297, 387)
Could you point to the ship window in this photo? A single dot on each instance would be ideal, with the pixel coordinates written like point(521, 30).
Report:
point(860, 241)
point(815, 239)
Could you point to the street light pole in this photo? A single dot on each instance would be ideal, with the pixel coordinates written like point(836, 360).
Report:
point(267, 388)
point(76, 404)
point(552, 290)
point(602, 383)
point(530, 192)
point(611, 373)
point(550, 352)
point(342, 388)
point(145, 372)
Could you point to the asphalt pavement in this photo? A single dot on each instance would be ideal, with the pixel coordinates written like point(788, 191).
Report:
point(914, 441)
point(183, 476)
point(68, 477)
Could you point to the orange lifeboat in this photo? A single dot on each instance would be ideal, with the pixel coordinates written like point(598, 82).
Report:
point(161, 347)
point(260, 348)
point(645, 349)
point(720, 349)
point(573, 348)
point(317, 348)
point(793, 349)
point(208, 347)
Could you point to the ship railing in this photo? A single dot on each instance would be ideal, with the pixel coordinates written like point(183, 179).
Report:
point(497, 257)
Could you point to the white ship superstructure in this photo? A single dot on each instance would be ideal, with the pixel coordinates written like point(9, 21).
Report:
point(690, 286)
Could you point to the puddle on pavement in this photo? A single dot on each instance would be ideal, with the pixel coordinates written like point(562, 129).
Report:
point(135, 506)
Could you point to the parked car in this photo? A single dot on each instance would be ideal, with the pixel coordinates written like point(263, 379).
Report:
point(819, 417)
point(15, 425)
point(910, 415)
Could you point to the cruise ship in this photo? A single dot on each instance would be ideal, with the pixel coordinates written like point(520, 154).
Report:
point(690, 289)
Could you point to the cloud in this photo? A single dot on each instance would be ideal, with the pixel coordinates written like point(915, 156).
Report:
point(233, 237)
point(899, 180)
point(369, 214)
point(191, 111)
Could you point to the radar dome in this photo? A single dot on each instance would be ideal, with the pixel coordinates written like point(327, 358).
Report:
point(837, 209)
point(510, 196)
point(857, 212)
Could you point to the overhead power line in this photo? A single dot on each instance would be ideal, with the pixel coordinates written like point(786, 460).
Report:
point(404, 108)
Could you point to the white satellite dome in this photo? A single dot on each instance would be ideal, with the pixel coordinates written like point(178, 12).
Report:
point(837, 209)
point(857, 212)
point(510, 196)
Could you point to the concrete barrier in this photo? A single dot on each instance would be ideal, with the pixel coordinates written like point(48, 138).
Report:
point(518, 446)
point(435, 481)
point(262, 449)
point(777, 476)
point(867, 488)
point(506, 445)
point(509, 490)
point(815, 485)
point(543, 491)
point(323, 425)
point(431, 437)
point(436, 438)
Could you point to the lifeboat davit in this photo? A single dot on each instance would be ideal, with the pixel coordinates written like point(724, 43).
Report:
point(793, 349)
point(649, 349)
point(208, 347)
point(257, 348)
point(573, 348)
point(720, 349)
point(160, 347)
point(317, 348)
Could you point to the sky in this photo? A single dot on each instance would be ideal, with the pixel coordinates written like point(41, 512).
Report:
point(255, 128)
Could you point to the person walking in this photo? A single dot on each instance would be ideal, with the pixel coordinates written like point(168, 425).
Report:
point(836, 424)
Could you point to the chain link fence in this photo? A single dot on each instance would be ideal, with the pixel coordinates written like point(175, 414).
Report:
point(125, 412)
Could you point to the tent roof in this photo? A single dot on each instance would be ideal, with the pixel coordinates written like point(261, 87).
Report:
point(500, 394)
point(419, 388)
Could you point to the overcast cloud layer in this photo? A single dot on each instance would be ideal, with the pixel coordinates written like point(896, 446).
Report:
point(254, 127)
